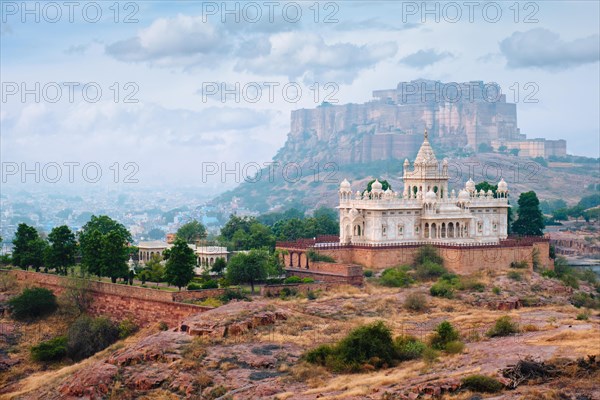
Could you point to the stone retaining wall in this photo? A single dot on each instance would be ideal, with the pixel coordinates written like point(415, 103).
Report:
point(117, 301)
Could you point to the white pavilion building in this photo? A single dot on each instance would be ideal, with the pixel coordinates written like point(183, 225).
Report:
point(426, 210)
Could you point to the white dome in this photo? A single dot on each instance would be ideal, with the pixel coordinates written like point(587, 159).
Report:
point(470, 186)
point(490, 193)
point(502, 185)
point(430, 196)
point(345, 184)
point(463, 195)
point(376, 185)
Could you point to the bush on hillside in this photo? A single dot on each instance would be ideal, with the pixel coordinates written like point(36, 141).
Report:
point(210, 284)
point(442, 289)
point(409, 348)
point(369, 346)
point(481, 383)
point(415, 302)
point(444, 333)
point(32, 303)
point(504, 327)
point(293, 279)
point(51, 350)
point(395, 277)
point(88, 336)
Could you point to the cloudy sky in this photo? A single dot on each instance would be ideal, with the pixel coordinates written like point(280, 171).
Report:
point(142, 82)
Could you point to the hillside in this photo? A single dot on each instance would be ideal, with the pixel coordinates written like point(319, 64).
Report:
point(313, 188)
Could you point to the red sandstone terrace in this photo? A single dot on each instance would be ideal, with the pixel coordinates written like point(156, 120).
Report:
point(459, 258)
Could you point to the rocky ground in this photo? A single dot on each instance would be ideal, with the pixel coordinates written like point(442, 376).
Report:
point(252, 350)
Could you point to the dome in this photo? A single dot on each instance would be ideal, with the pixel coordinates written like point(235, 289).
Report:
point(345, 184)
point(376, 185)
point(502, 186)
point(470, 185)
point(463, 195)
point(430, 196)
point(490, 193)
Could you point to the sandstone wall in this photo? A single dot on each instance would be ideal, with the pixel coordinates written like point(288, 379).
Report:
point(116, 301)
point(460, 260)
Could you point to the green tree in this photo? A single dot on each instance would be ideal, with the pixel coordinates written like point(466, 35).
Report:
point(104, 247)
point(179, 270)
point(530, 220)
point(114, 256)
point(29, 248)
point(234, 224)
point(385, 185)
point(248, 267)
point(61, 253)
point(560, 215)
point(514, 152)
point(219, 265)
point(485, 186)
point(191, 231)
point(154, 271)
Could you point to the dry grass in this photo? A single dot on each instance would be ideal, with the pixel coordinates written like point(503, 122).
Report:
point(572, 342)
point(313, 375)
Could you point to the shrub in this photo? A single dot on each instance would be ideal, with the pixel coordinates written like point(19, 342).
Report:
point(430, 355)
point(581, 299)
point(308, 280)
point(162, 326)
point(193, 286)
point(33, 303)
point(515, 276)
point(504, 326)
point(548, 273)
point(127, 328)
point(210, 284)
point(496, 290)
point(429, 270)
point(442, 289)
point(231, 294)
point(50, 350)
point(427, 253)
point(87, 336)
point(314, 256)
point(224, 282)
point(369, 346)
point(368, 273)
point(287, 292)
point(415, 302)
point(293, 279)
point(481, 383)
point(570, 280)
point(587, 275)
point(583, 316)
point(519, 264)
point(467, 283)
point(210, 302)
point(395, 277)
point(310, 295)
point(409, 348)
point(454, 347)
point(444, 333)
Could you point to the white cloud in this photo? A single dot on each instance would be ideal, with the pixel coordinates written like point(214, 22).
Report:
point(424, 58)
point(303, 55)
point(542, 48)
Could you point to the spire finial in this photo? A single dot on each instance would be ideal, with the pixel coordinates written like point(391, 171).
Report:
point(426, 134)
